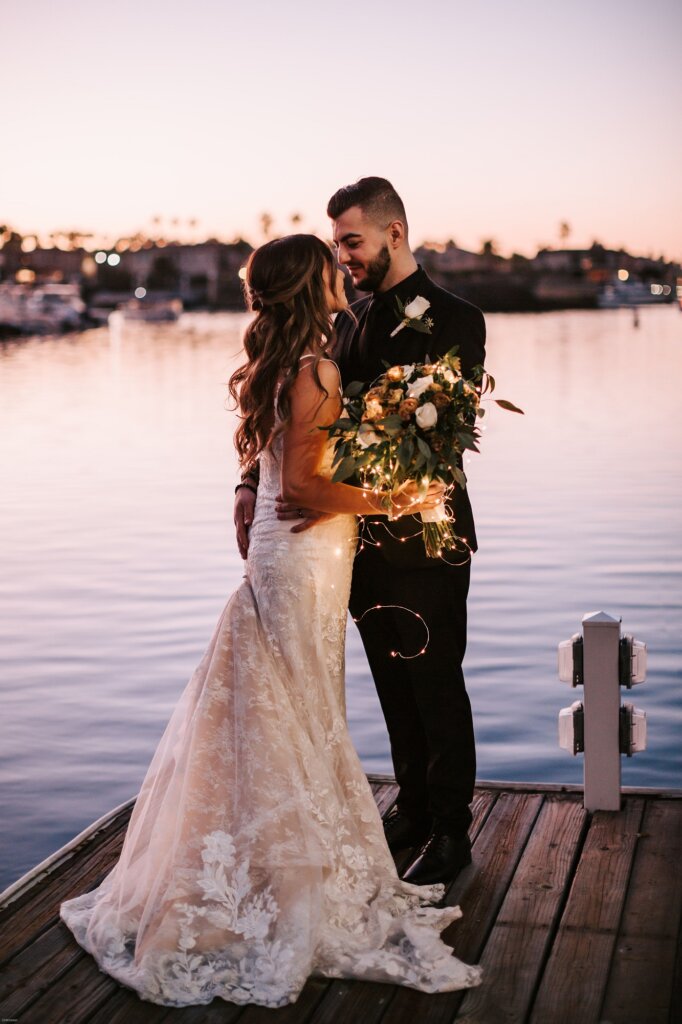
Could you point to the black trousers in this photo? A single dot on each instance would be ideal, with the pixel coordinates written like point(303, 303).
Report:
point(424, 699)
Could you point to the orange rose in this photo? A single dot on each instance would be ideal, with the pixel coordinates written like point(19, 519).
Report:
point(407, 408)
point(374, 410)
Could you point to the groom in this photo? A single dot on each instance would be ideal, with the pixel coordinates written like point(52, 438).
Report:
point(423, 698)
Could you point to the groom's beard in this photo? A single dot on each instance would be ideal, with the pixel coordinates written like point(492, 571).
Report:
point(375, 271)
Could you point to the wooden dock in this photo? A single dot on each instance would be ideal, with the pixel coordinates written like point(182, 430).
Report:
point(575, 918)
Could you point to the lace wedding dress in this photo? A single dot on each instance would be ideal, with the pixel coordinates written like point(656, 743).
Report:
point(255, 854)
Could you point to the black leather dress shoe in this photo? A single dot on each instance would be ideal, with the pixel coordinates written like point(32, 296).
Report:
point(402, 831)
point(440, 859)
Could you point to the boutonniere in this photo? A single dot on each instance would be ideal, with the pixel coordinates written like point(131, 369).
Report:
point(411, 315)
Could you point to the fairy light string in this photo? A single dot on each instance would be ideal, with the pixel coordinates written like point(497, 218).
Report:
point(402, 608)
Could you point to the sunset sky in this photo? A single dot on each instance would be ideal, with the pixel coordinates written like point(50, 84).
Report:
point(493, 119)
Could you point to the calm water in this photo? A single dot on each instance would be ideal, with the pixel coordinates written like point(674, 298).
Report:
point(117, 473)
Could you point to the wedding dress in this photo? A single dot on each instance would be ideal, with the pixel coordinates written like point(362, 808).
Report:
point(255, 854)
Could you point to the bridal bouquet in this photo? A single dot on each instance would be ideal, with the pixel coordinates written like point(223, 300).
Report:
point(412, 425)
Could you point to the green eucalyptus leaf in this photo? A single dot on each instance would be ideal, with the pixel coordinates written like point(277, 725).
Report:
point(467, 440)
point(345, 423)
point(459, 476)
point(504, 404)
point(365, 459)
point(423, 448)
point(391, 424)
point(340, 453)
point(345, 469)
point(405, 452)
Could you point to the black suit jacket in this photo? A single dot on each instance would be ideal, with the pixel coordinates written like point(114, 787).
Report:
point(363, 341)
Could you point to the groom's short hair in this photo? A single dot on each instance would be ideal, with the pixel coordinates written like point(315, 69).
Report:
point(376, 197)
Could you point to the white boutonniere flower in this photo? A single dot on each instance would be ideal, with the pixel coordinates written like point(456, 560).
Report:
point(412, 315)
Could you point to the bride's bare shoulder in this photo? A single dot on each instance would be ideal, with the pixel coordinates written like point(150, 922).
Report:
point(327, 372)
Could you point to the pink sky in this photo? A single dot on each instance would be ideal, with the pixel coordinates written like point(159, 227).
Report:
point(493, 120)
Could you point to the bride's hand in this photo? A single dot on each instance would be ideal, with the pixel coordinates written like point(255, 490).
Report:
point(408, 502)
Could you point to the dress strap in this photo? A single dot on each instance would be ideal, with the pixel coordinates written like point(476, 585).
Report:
point(325, 359)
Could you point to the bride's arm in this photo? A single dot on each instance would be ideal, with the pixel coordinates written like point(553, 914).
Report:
point(304, 446)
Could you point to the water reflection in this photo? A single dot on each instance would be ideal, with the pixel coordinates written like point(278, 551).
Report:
point(117, 469)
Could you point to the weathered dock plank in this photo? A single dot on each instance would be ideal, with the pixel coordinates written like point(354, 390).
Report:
point(36, 968)
point(384, 795)
point(36, 909)
point(124, 1007)
point(479, 890)
point(299, 1012)
point(643, 964)
point(217, 1012)
point(524, 927)
point(73, 996)
point(574, 980)
point(574, 917)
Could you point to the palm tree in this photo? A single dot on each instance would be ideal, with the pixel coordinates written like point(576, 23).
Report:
point(266, 222)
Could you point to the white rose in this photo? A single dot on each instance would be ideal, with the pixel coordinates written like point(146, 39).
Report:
point(417, 307)
point(449, 376)
point(426, 416)
point(415, 389)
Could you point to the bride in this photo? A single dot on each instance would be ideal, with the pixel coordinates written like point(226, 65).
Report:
point(255, 855)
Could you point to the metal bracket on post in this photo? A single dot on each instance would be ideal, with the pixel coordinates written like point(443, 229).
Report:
point(602, 661)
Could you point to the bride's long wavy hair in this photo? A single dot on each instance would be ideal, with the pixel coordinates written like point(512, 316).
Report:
point(285, 288)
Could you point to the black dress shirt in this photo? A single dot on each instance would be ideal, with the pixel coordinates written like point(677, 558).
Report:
point(364, 342)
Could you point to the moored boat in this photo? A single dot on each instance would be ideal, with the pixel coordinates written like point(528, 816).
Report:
point(49, 308)
point(617, 294)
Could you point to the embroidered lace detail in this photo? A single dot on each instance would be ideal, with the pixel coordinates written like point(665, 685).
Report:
point(255, 855)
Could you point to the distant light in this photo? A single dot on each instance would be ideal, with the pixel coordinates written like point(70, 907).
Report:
point(657, 289)
point(113, 259)
point(623, 275)
point(140, 293)
point(667, 289)
point(242, 273)
point(100, 257)
point(25, 276)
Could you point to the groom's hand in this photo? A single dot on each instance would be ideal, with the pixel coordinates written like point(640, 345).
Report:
point(305, 517)
point(244, 506)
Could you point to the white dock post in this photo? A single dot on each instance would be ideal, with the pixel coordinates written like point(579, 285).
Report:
point(601, 696)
